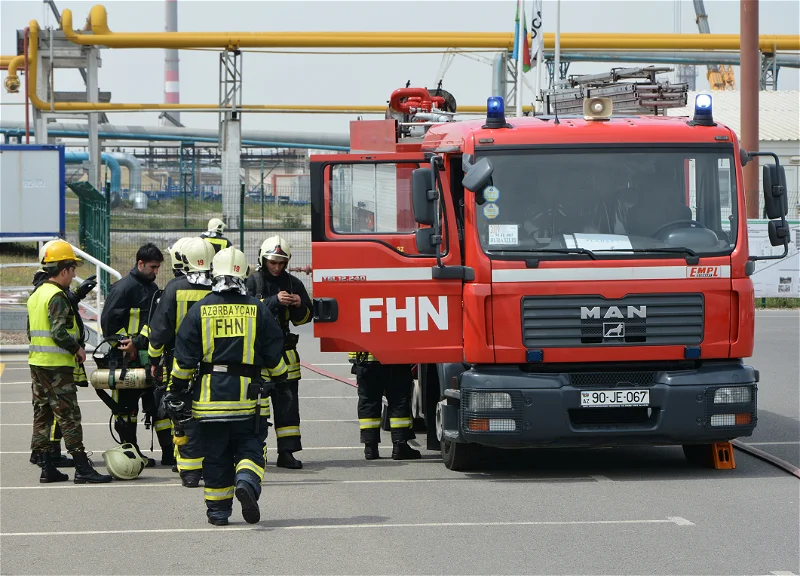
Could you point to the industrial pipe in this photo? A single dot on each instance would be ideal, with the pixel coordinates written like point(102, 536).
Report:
point(102, 36)
point(133, 166)
point(5, 61)
point(107, 159)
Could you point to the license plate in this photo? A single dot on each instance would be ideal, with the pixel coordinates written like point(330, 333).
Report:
point(615, 398)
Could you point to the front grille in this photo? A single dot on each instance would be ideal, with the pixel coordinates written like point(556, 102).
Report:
point(612, 379)
point(649, 319)
point(500, 421)
point(612, 417)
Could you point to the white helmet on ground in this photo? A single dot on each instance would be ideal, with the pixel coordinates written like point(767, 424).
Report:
point(230, 262)
point(275, 248)
point(176, 253)
point(124, 462)
point(216, 225)
point(197, 254)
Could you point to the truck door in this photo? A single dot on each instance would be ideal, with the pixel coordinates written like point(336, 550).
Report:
point(373, 290)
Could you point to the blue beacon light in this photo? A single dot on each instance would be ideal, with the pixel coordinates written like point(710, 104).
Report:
point(495, 112)
point(703, 110)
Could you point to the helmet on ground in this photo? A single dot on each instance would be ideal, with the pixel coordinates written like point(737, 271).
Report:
point(216, 225)
point(230, 262)
point(176, 253)
point(124, 462)
point(197, 254)
point(57, 252)
point(275, 248)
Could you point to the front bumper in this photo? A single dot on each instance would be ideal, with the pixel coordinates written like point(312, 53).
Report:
point(545, 409)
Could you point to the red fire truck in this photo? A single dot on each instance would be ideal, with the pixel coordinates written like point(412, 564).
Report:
point(573, 281)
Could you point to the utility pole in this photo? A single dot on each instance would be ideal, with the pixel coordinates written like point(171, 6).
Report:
point(750, 59)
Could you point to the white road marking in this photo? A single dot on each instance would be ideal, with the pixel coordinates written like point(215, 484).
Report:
point(106, 423)
point(359, 447)
point(787, 443)
point(335, 364)
point(782, 573)
point(266, 526)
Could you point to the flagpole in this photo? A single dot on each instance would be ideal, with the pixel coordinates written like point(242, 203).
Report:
point(520, 46)
point(557, 62)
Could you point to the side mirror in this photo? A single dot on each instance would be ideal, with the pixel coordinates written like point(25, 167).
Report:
point(422, 197)
point(478, 177)
point(776, 201)
point(778, 231)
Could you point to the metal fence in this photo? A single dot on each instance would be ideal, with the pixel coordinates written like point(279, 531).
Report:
point(161, 217)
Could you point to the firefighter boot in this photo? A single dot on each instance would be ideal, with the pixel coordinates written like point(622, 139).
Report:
point(34, 458)
point(191, 478)
point(167, 447)
point(49, 471)
point(85, 472)
point(402, 451)
point(371, 451)
point(59, 459)
point(287, 460)
point(247, 496)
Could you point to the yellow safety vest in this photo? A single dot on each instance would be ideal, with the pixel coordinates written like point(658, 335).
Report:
point(354, 357)
point(43, 351)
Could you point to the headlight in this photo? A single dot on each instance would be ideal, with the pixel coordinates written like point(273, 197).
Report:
point(737, 395)
point(480, 401)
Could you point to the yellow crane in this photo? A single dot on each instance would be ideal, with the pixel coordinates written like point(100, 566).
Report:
point(720, 76)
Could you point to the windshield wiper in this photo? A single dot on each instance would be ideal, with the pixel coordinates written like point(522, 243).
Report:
point(691, 255)
point(584, 251)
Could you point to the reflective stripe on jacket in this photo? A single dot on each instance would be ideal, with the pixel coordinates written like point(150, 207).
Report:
point(43, 350)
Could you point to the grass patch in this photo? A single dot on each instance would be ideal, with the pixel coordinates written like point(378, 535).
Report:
point(784, 303)
point(15, 253)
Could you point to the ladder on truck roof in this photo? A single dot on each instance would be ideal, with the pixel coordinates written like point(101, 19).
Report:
point(632, 90)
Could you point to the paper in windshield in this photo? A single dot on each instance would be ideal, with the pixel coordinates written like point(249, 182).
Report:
point(597, 242)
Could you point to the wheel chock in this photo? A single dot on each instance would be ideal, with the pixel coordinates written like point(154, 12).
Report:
point(723, 456)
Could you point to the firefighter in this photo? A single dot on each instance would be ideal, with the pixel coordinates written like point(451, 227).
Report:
point(214, 234)
point(126, 314)
point(74, 298)
point(53, 356)
point(374, 380)
point(237, 343)
point(287, 299)
point(178, 297)
point(176, 255)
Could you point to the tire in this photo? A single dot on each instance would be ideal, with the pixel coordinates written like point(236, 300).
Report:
point(699, 455)
point(459, 457)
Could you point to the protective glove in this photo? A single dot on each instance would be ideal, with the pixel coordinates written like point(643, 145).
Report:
point(86, 287)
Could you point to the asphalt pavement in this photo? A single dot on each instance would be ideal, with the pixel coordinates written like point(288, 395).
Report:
point(601, 511)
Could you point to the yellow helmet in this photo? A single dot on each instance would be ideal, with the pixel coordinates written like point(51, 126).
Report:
point(230, 262)
point(197, 254)
point(124, 462)
point(216, 225)
point(44, 248)
point(59, 251)
point(275, 248)
point(175, 252)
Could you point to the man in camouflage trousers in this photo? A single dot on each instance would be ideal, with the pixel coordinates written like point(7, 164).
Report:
point(53, 356)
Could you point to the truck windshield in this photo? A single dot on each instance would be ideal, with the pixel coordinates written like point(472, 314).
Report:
point(610, 202)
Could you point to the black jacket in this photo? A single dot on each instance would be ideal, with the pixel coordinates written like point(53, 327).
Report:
point(265, 287)
point(127, 308)
point(231, 330)
point(217, 240)
point(177, 298)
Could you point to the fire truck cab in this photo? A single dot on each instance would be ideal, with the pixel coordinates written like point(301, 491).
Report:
point(573, 281)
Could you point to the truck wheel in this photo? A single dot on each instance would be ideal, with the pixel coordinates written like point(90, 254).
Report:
point(699, 455)
point(459, 457)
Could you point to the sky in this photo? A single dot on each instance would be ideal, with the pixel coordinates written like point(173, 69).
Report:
point(320, 78)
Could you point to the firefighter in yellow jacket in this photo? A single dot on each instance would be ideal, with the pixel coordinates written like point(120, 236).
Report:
point(237, 344)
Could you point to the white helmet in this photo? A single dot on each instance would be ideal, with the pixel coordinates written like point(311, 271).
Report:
point(197, 254)
point(230, 262)
point(216, 225)
point(275, 248)
point(176, 253)
point(124, 462)
point(44, 248)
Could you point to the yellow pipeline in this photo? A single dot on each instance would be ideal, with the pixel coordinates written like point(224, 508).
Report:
point(103, 107)
point(102, 36)
point(5, 61)
point(12, 80)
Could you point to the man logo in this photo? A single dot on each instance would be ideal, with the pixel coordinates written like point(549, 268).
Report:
point(613, 330)
point(613, 312)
